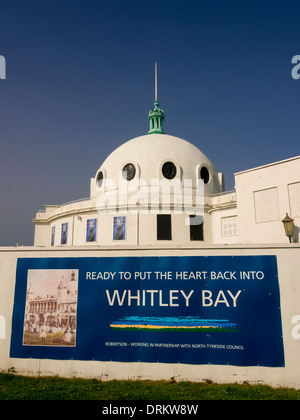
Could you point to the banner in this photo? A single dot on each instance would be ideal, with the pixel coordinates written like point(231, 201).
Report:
point(195, 310)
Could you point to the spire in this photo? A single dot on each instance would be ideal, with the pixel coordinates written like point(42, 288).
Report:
point(156, 115)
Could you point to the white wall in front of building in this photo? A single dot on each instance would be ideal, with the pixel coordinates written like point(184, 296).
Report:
point(288, 270)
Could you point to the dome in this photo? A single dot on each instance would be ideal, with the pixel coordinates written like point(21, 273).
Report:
point(157, 156)
point(146, 192)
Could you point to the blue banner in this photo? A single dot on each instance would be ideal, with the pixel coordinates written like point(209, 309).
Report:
point(196, 310)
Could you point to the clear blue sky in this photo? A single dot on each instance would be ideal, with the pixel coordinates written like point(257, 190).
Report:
point(80, 82)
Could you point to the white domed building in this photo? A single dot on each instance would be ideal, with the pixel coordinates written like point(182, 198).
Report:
point(159, 190)
point(150, 190)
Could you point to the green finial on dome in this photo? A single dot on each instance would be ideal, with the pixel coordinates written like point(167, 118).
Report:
point(156, 115)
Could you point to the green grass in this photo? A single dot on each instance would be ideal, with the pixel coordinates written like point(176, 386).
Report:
point(14, 387)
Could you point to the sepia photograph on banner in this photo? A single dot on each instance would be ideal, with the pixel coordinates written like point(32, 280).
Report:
point(51, 308)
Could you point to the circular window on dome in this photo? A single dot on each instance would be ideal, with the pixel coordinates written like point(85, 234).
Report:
point(129, 171)
point(204, 175)
point(169, 170)
point(99, 179)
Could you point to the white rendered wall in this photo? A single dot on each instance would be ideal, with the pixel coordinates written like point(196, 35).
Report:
point(264, 196)
point(288, 273)
point(216, 223)
point(141, 229)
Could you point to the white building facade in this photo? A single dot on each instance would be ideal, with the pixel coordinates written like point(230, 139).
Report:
point(158, 206)
point(160, 189)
